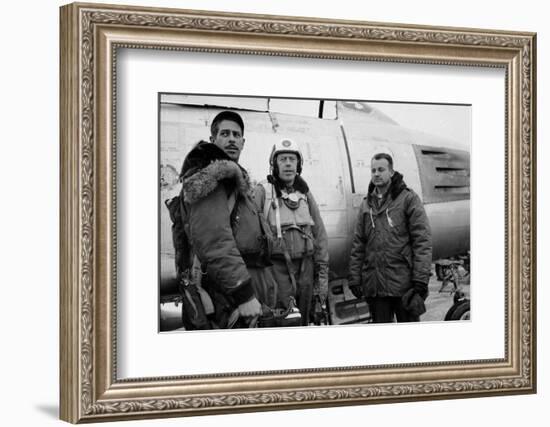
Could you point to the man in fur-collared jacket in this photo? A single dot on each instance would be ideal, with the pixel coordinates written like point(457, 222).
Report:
point(221, 224)
point(300, 245)
point(391, 251)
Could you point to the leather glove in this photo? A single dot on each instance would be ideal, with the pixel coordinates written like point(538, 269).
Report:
point(357, 291)
point(320, 287)
point(318, 313)
point(413, 302)
point(421, 289)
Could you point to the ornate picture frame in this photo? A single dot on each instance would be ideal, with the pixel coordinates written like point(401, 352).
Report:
point(90, 37)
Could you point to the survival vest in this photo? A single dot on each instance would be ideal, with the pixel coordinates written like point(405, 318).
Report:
point(289, 219)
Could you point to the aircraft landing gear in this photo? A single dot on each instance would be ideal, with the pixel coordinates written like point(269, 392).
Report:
point(460, 309)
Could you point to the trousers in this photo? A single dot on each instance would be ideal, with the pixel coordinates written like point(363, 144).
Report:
point(303, 294)
point(388, 309)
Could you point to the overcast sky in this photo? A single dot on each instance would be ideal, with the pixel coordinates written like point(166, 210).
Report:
point(448, 121)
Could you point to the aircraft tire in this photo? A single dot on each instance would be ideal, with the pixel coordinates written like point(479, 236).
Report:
point(459, 311)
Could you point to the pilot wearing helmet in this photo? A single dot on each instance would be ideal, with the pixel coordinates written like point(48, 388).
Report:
point(300, 249)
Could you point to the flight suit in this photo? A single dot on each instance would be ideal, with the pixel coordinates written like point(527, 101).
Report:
point(301, 248)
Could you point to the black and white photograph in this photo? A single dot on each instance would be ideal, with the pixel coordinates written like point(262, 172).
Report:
point(278, 212)
point(265, 210)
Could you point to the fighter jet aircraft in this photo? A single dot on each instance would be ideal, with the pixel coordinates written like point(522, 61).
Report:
point(337, 145)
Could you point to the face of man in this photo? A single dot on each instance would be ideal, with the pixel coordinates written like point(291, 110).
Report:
point(287, 164)
point(381, 173)
point(229, 138)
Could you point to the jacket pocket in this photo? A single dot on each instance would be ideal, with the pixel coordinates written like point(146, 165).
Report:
point(298, 242)
point(368, 226)
point(247, 230)
point(406, 253)
point(398, 273)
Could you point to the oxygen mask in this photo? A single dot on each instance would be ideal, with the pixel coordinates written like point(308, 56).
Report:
point(291, 200)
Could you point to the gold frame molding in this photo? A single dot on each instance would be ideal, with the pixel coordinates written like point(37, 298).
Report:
point(90, 36)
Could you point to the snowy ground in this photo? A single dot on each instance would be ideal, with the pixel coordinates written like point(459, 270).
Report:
point(438, 303)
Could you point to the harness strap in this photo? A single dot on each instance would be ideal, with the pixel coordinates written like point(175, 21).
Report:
point(278, 219)
point(273, 203)
point(289, 267)
point(267, 203)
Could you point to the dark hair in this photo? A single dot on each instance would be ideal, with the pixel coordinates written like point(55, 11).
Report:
point(226, 115)
point(380, 156)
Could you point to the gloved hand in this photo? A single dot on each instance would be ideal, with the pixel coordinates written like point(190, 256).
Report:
point(320, 286)
point(251, 308)
point(318, 313)
point(421, 289)
point(412, 302)
point(357, 291)
point(320, 289)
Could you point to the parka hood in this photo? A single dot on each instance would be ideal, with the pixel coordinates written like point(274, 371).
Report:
point(200, 156)
point(205, 167)
point(397, 185)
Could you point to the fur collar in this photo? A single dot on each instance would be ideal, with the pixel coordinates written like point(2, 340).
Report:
point(299, 184)
point(200, 156)
point(207, 166)
point(397, 185)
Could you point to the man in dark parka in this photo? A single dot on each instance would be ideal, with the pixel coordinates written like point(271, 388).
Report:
point(391, 250)
point(224, 230)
